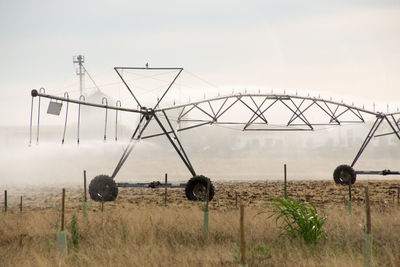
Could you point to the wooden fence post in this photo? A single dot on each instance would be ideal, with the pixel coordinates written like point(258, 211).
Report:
point(166, 190)
point(62, 235)
point(349, 202)
point(284, 181)
point(62, 209)
point(236, 199)
point(398, 196)
point(243, 260)
point(368, 234)
point(5, 201)
point(84, 205)
point(84, 187)
point(393, 198)
point(206, 214)
point(20, 205)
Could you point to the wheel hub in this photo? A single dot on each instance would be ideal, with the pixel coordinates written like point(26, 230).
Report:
point(200, 191)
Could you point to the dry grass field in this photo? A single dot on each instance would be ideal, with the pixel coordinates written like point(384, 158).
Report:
point(138, 230)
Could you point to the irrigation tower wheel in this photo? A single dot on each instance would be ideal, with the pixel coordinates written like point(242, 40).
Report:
point(344, 174)
point(103, 188)
point(196, 188)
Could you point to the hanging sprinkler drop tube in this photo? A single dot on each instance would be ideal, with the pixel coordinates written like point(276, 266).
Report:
point(66, 117)
point(104, 101)
point(81, 98)
point(117, 104)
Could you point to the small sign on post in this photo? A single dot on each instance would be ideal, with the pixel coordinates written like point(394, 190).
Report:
point(54, 108)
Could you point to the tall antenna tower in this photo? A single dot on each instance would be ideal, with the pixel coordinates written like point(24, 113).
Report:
point(80, 71)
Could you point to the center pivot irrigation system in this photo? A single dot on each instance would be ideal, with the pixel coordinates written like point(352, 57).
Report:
point(297, 113)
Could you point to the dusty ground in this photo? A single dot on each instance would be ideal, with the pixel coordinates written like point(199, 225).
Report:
point(383, 193)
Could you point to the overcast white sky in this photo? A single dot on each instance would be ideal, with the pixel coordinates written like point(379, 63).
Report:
point(349, 48)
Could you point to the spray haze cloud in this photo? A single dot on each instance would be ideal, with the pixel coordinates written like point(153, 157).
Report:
point(345, 49)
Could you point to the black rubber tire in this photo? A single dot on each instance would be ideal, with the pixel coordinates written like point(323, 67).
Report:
point(196, 188)
point(343, 174)
point(103, 188)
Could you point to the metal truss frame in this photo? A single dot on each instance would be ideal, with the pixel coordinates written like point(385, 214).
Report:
point(335, 113)
point(259, 108)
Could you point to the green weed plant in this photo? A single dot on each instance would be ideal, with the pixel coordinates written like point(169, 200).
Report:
point(300, 219)
point(74, 231)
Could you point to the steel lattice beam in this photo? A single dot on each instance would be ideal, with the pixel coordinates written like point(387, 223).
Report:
point(260, 105)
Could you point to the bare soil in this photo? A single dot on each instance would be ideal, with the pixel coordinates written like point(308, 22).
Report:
point(383, 193)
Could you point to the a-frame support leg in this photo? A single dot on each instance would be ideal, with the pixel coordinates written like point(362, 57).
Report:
point(176, 144)
point(370, 135)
